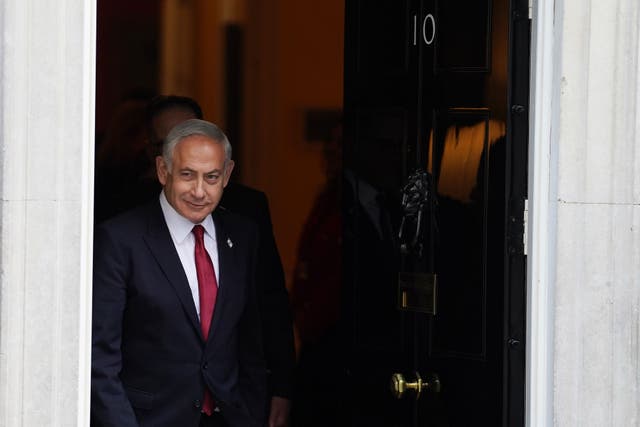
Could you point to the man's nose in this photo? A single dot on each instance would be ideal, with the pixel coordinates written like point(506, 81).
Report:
point(198, 188)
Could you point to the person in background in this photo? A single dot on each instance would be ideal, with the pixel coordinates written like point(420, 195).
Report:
point(318, 303)
point(120, 158)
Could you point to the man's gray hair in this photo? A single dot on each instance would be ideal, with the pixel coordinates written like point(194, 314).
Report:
point(194, 127)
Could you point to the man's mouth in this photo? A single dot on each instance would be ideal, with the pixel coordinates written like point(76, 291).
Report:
point(196, 205)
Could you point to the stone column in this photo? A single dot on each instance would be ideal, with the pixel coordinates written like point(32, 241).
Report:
point(596, 151)
point(47, 49)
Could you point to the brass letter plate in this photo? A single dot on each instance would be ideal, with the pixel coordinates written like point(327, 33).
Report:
point(417, 292)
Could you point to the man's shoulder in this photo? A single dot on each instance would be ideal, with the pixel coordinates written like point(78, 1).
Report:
point(133, 220)
point(241, 190)
point(246, 201)
point(242, 199)
point(234, 220)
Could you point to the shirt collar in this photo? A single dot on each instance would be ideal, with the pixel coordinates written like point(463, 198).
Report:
point(179, 226)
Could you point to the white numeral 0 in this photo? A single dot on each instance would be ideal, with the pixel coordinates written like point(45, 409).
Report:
point(429, 17)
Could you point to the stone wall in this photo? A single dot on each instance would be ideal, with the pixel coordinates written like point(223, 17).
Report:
point(47, 78)
point(597, 280)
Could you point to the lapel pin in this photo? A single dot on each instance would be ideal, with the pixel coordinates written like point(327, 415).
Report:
point(229, 243)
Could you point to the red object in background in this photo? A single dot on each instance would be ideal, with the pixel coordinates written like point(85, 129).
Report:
point(317, 287)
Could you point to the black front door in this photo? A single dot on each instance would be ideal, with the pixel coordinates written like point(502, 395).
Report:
point(433, 199)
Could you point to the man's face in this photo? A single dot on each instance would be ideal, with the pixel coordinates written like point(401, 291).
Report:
point(197, 177)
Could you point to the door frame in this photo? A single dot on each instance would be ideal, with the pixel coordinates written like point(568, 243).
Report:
point(541, 213)
point(541, 256)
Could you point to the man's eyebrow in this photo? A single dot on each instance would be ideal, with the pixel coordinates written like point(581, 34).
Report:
point(188, 169)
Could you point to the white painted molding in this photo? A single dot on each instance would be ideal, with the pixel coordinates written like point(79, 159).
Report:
point(47, 86)
point(89, 20)
point(541, 242)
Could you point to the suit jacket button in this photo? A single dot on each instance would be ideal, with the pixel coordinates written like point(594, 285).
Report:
point(197, 404)
point(205, 366)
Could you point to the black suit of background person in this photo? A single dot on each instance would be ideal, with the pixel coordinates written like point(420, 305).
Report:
point(162, 113)
point(152, 365)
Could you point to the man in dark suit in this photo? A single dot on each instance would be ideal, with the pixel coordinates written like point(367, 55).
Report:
point(163, 113)
point(176, 330)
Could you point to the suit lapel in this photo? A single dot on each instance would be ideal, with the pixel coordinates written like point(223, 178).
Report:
point(161, 245)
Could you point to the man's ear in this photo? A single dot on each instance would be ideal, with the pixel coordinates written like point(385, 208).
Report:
point(227, 172)
point(161, 170)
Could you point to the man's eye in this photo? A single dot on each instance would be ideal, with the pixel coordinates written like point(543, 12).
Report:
point(186, 174)
point(212, 177)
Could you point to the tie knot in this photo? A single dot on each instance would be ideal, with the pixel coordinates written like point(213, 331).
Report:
point(198, 230)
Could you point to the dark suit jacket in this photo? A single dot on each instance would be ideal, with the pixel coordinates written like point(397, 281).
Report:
point(150, 363)
point(273, 298)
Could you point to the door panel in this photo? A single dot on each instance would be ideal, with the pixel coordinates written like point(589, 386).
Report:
point(464, 35)
point(460, 158)
point(377, 329)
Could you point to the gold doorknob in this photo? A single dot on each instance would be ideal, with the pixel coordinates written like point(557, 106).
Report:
point(399, 386)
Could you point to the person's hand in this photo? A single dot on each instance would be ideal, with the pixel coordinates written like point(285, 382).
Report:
point(279, 414)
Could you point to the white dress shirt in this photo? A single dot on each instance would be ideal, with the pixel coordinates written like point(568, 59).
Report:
point(180, 229)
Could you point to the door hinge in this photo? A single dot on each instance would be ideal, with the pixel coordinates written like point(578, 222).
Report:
point(517, 227)
point(525, 221)
point(519, 12)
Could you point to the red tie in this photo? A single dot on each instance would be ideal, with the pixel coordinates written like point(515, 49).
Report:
point(208, 290)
